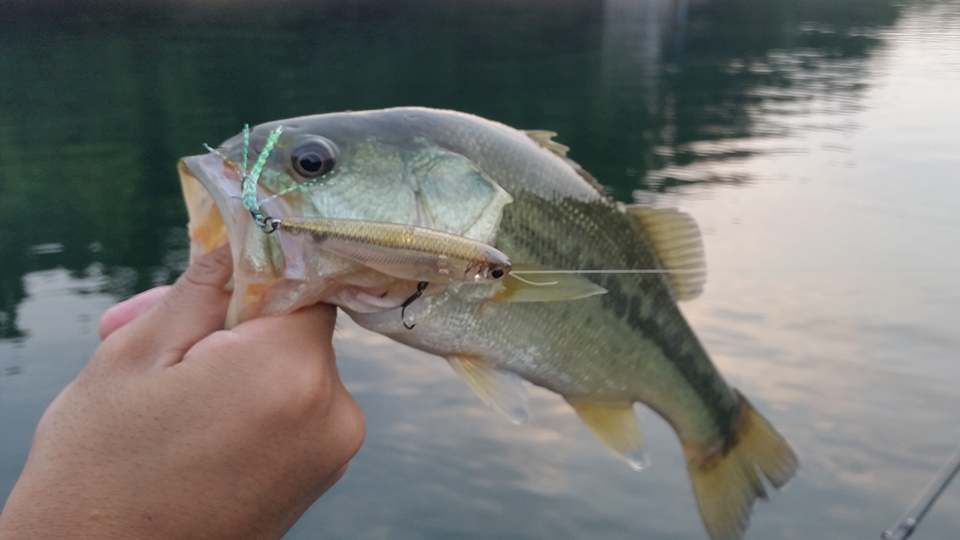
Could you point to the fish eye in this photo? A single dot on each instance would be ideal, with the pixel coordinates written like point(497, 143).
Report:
point(314, 157)
point(497, 274)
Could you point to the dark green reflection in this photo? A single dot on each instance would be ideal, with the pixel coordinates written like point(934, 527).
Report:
point(99, 99)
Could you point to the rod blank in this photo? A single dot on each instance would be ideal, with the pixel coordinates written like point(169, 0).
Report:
point(910, 521)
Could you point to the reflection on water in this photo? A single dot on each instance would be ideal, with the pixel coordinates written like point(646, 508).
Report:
point(650, 94)
point(814, 142)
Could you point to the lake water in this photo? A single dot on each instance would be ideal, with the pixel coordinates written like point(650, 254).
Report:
point(815, 142)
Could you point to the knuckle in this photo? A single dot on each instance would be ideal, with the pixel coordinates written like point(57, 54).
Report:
point(336, 437)
point(354, 427)
point(219, 344)
point(221, 341)
point(296, 394)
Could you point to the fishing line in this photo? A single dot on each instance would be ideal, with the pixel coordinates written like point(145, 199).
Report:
point(298, 187)
point(246, 145)
point(248, 185)
point(251, 203)
point(515, 272)
point(209, 148)
point(249, 179)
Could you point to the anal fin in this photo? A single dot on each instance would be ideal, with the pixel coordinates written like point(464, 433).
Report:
point(499, 389)
point(615, 424)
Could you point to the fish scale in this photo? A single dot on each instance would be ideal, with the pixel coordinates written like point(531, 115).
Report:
point(518, 192)
point(528, 234)
point(529, 223)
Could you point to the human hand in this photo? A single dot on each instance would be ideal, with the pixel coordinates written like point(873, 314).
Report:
point(179, 429)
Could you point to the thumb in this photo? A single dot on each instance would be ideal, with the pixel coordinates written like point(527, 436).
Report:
point(195, 307)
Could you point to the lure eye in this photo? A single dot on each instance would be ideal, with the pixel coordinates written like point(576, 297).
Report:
point(314, 157)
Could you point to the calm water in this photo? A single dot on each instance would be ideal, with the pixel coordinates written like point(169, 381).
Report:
point(815, 141)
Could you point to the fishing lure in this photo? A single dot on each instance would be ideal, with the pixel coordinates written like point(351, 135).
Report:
point(405, 251)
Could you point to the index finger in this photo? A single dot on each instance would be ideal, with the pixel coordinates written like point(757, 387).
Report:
point(120, 314)
point(308, 326)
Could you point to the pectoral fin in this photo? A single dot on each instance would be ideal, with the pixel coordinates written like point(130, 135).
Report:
point(615, 424)
point(499, 389)
point(520, 286)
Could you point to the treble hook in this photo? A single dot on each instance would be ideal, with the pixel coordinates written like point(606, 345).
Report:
point(421, 286)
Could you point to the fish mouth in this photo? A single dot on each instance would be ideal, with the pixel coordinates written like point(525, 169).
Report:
point(218, 218)
point(212, 206)
point(273, 272)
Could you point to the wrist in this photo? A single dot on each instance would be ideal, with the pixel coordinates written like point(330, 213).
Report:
point(55, 514)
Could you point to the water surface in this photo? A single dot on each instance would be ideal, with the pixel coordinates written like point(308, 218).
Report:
point(814, 142)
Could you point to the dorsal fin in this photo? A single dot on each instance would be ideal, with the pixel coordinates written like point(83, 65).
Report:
point(675, 240)
point(544, 138)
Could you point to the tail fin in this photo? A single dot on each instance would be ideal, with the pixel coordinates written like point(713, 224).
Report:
point(727, 484)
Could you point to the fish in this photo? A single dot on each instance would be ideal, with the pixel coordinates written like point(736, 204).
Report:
point(618, 341)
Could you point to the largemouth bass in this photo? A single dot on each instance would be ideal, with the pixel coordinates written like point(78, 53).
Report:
point(515, 191)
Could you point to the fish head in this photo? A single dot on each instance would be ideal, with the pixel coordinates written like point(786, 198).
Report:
point(372, 166)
